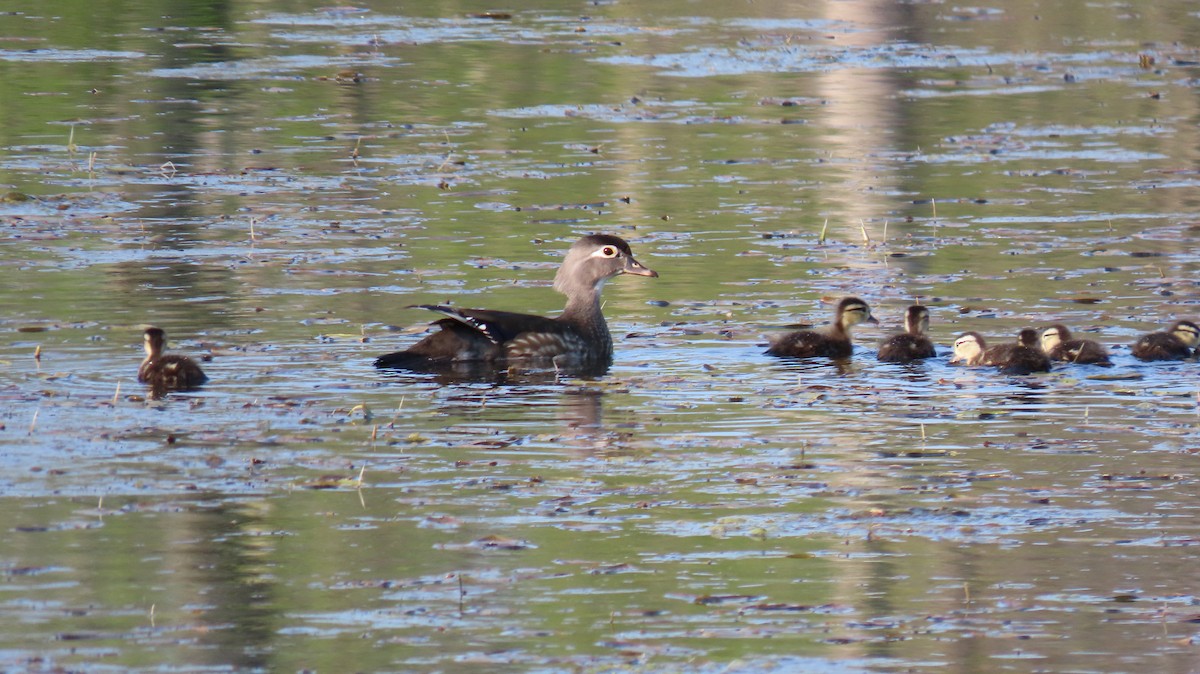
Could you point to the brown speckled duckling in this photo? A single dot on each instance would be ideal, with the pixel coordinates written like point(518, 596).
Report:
point(912, 344)
point(167, 372)
point(1058, 345)
point(578, 335)
point(833, 343)
point(1022, 357)
point(1177, 343)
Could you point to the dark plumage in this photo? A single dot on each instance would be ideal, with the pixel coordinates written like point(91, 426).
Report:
point(833, 342)
point(912, 344)
point(1177, 343)
point(578, 336)
point(1022, 357)
point(167, 372)
point(1058, 345)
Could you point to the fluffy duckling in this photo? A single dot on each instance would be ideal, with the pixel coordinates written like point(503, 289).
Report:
point(912, 344)
point(833, 342)
point(1022, 357)
point(167, 372)
point(970, 348)
point(1058, 345)
point(1176, 343)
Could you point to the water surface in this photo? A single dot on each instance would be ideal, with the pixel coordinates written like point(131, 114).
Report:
point(274, 183)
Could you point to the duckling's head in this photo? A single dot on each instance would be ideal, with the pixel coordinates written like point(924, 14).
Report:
point(593, 260)
point(1187, 332)
point(916, 320)
point(1028, 337)
point(154, 340)
point(1054, 335)
point(851, 311)
point(968, 348)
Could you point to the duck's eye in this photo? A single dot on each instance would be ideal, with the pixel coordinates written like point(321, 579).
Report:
point(608, 251)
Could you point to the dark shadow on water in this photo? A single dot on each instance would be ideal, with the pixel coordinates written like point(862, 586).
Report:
point(817, 365)
point(478, 372)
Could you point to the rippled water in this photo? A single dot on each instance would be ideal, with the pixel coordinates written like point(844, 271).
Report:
point(273, 185)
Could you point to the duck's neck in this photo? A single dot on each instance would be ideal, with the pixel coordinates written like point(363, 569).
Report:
point(584, 316)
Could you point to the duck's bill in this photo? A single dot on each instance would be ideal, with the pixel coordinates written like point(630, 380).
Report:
point(634, 267)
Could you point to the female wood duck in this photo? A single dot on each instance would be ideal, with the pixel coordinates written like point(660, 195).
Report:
point(167, 372)
point(577, 336)
point(912, 344)
point(1176, 343)
point(834, 342)
point(1058, 345)
point(1022, 357)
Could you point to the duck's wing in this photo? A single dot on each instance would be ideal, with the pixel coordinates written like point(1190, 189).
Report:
point(1160, 346)
point(799, 344)
point(469, 335)
point(904, 347)
point(497, 327)
point(1083, 351)
point(172, 373)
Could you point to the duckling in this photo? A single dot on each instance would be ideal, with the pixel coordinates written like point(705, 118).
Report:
point(1021, 357)
point(1058, 345)
point(169, 372)
point(1025, 357)
point(834, 342)
point(912, 344)
point(970, 348)
point(1176, 343)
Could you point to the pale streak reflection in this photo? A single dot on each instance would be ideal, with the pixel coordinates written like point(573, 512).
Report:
point(861, 118)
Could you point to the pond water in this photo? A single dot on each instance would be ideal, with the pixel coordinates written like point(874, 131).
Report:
point(274, 183)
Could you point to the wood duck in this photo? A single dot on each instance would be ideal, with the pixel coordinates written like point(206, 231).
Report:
point(833, 342)
point(167, 372)
point(912, 344)
point(1058, 345)
point(1176, 343)
point(1021, 357)
point(576, 337)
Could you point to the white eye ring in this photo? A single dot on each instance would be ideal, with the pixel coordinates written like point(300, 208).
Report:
point(608, 251)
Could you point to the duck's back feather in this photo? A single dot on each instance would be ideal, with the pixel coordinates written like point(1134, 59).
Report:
point(1082, 351)
point(1160, 346)
point(171, 373)
point(904, 347)
point(809, 343)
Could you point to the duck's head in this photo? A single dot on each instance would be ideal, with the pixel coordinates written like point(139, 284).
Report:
point(968, 348)
point(851, 311)
point(1028, 337)
point(593, 260)
point(1053, 336)
point(916, 320)
point(1187, 332)
point(154, 340)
